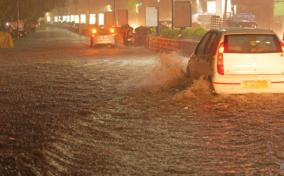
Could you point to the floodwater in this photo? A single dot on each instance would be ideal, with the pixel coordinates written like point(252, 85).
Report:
point(66, 109)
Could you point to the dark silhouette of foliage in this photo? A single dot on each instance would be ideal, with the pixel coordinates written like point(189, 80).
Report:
point(29, 9)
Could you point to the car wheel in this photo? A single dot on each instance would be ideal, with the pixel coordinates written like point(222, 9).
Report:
point(211, 87)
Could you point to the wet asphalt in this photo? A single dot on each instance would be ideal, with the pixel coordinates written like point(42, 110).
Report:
point(68, 109)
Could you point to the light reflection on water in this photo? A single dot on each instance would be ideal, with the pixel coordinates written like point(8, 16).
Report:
point(102, 117)
point(148, 132)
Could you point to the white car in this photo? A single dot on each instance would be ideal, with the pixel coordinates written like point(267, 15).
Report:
point(237, 61)
point(103, 36)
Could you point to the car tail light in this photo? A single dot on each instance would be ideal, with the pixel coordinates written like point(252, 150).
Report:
point(94, 31)
point(220, 60)
point(282, 46)
point(112, 30)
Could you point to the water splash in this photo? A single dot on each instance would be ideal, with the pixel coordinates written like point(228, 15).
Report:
point(168, 71)
point(199, 88)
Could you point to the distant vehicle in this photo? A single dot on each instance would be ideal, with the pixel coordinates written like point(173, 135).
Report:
point(237, 61)
point(16, 28)
point(103, 36)
point(242, 20)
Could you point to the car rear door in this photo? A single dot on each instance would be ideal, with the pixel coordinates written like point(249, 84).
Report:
point(201, 61)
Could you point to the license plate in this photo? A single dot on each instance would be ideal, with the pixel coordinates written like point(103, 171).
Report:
point(255, 84)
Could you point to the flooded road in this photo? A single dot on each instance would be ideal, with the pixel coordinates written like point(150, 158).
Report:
point(67, 109)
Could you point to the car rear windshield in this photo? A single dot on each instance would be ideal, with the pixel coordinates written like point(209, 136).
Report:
point(252, 43)
point(103, 31)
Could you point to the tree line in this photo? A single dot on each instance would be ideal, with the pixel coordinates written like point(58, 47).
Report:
point(29, 10)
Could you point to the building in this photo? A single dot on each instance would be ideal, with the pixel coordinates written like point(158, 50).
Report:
point(94, 11)
point(135, 9)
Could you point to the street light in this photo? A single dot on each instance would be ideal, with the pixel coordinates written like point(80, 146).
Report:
point(137, 6)
point(158, 17)
point(114, 14)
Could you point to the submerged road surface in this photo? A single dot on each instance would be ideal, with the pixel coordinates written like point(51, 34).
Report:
point(67, 109)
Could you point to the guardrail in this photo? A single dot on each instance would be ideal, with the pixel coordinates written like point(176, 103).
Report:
point(166, 44)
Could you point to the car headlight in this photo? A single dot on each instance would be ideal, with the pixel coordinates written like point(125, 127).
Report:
point(94, 31)
point(112, 30)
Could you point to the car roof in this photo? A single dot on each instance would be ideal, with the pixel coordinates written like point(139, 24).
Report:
point(227, 31)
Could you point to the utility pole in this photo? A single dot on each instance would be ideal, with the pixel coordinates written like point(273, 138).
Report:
point(89, 7)
point(225, 10)
point(18, 17)
point(173, 10)
point(158, 17)
point(88, 16)
point(114, 14)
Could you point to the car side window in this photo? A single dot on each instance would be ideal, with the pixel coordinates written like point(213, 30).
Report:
point(210, 45)
point(200, 50)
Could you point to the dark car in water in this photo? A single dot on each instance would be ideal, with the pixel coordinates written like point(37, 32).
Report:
point(242, 20)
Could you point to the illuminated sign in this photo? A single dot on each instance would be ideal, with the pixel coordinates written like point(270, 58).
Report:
point(211, 7)
point(68, 19)
point(77, 19)
point(48, 19)
point(101, 19)
point(72, 18)
point(64, 19)
point(92, 18)
point(278, 8)
point(83, 19)
point(56, 19)
point(151, 16)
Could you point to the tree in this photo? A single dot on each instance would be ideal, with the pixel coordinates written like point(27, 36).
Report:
point(29, 9)
point(7, 9)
